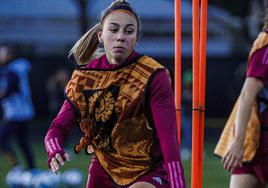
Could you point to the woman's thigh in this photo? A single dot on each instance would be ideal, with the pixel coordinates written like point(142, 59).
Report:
point(157, 177)
point(142, 185)
point(245, 181)
point(98, 177)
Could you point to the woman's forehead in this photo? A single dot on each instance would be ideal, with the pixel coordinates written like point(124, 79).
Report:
point(121, 18)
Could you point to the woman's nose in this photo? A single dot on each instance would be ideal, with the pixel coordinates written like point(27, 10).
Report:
point(120, 37)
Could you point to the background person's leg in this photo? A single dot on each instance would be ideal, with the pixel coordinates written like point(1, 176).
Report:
point(21, 132)
point(6, 131)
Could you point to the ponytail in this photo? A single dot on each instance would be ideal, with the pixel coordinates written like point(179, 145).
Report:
point(86, 46)
point(265, 19)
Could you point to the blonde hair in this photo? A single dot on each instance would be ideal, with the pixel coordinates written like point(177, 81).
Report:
point(265, 19)
point(86, 48)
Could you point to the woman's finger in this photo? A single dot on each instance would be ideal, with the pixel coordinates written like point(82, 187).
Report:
point(67, 156)
point(224, 158)
point(60, 159)
point(231, 162)
point(227, 161)
point(235, 164)
point(55, 165)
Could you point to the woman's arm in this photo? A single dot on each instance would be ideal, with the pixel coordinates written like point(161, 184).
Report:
point(56, 133)
point(234, 154)
point(164, 115)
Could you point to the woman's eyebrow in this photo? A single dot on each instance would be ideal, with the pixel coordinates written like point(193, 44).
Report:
point(118, 25)
point(129, 25)
point(115, 24)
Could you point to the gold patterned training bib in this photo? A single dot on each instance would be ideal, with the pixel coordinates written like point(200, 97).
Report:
point(111, 107)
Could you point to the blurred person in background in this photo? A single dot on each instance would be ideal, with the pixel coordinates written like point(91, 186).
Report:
point(186, 115)
point(55, 90)
point(124, 104)
point(253, 174)
point(16, 103)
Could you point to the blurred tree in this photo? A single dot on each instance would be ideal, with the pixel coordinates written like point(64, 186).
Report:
point(256, 17)
point(237, 8)
point(83, 22)
point(248, 10)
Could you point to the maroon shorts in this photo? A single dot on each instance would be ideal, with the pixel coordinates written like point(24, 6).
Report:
point(99, 178)
point(257, 167)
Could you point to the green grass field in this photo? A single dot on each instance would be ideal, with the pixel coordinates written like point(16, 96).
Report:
point(213, 173)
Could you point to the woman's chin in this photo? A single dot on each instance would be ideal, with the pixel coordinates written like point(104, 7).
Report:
point(119, 57)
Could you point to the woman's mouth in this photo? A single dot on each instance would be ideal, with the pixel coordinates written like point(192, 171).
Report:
point(119, 49)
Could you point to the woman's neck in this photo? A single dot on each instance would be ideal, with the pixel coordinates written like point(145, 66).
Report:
point(120, 61)
point(115, 61)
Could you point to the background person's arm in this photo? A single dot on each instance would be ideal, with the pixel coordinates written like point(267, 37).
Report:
point(234, 154)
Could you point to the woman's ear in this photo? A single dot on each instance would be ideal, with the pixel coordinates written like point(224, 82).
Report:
point(138, 38)
point(100, 37)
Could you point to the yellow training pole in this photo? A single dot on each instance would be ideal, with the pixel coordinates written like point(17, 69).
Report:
point(178, 64)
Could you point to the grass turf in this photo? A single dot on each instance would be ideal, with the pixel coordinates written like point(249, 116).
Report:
point(213, 173)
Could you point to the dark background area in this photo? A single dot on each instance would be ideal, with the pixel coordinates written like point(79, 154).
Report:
point(46, 36)
point(46, 30)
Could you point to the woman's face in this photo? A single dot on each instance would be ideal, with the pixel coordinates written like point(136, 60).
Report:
point(119, 36)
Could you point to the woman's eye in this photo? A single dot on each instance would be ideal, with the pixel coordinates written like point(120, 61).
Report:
point(113, 30)
point(129, 31)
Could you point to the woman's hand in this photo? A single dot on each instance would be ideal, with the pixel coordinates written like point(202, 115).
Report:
point(57, 161)
point(234, 155)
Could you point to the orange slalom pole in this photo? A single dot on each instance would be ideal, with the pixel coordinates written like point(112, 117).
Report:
point(195, 177)
point(202, 82)
point(178, 65)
